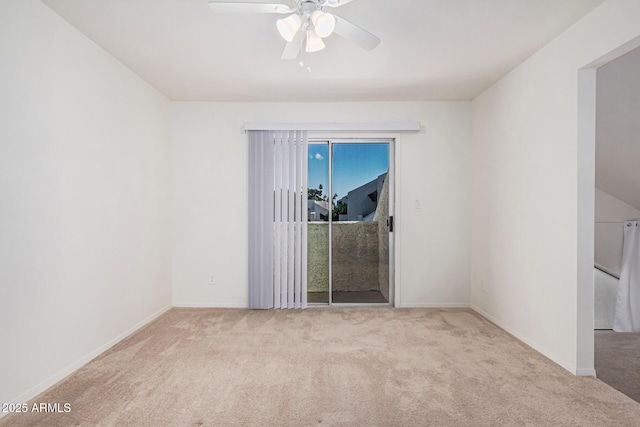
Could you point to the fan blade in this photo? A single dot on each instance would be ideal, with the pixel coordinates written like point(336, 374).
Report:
point(292, 49)
point(336, 3)
point(351, 31)
point(249, 7)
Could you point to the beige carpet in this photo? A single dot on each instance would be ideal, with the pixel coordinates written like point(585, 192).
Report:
point(328, 367)
point(617, 360)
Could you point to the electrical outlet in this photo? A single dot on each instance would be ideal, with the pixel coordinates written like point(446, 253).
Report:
point(212, 280)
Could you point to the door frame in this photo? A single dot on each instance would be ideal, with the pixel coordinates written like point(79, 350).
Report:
point(362, 139)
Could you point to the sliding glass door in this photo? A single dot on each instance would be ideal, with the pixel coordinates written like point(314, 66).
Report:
point(350, 221)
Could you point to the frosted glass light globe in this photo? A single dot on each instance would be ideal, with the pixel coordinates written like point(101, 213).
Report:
point(314, 42)
point(289, 26)
point(323, 23)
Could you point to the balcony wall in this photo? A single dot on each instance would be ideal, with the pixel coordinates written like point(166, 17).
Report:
point(355, 254)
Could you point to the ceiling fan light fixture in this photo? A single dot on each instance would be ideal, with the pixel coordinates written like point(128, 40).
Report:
point(289, 26)
point(323, 23)
point(314, 42)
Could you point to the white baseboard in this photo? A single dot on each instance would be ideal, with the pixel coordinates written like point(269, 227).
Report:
point(586, 372)
point(537, 347)
point(205, 305)
point(59, 376)
point(433, 305)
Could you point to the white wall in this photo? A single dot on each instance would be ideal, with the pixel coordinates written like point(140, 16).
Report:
point(209, 193)
point(84, 200)
point(526, 192)
point(618, 127)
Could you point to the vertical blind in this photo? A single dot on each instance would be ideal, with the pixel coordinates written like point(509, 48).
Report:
point(278, 219)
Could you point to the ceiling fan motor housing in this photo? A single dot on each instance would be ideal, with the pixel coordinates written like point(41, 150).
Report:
point(307, 7)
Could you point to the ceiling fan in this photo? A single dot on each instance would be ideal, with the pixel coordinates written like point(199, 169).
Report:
point(307, 21)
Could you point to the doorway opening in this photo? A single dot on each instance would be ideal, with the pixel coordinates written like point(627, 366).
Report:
point(350, 229)
point(617, 212)
point(587, 135)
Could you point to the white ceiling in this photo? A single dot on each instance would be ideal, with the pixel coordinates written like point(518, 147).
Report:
point(618, 129)
point(430, 50)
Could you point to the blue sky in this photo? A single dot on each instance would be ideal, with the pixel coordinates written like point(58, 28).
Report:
point(353, 165)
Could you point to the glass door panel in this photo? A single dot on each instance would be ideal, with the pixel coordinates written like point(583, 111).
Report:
point(318, 211)
point(359, 228)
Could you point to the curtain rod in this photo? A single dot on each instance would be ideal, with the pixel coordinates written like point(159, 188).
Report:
point(338, 127)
